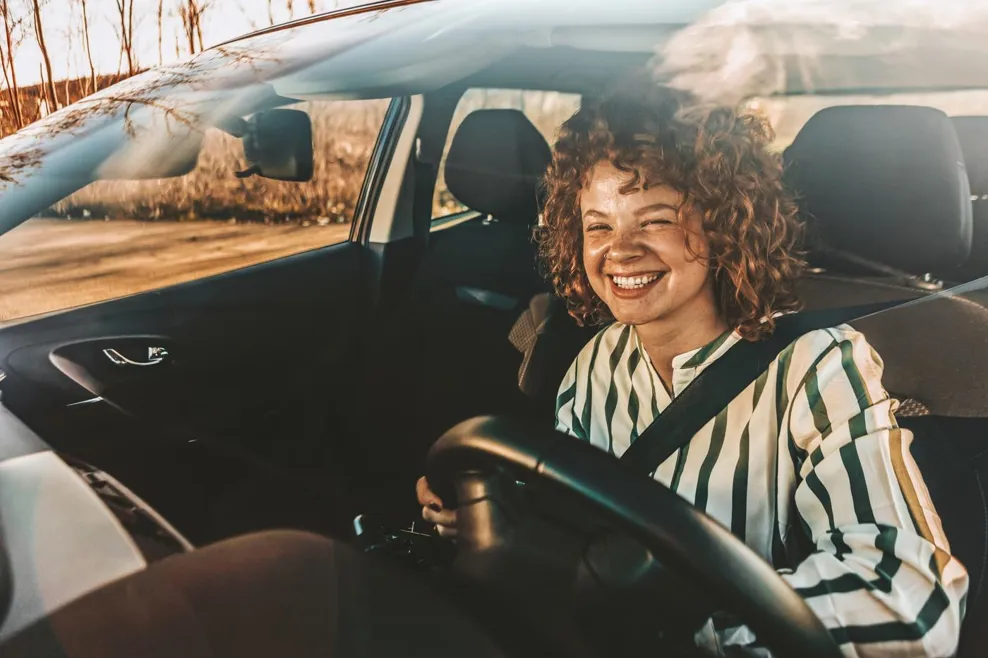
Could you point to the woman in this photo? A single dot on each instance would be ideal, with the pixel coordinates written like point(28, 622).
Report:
point(670, 219)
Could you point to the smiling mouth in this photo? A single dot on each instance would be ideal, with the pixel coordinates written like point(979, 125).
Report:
point(635, 282)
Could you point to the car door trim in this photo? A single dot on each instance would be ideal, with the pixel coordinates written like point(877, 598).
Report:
point(386, 182)
point(377, 167)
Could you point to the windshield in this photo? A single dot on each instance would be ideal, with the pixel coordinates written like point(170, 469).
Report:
point(169, 145)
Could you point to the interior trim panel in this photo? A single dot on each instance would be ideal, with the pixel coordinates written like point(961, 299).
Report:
point(61, 540)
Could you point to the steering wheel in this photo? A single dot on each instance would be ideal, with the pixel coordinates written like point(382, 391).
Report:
point(687, 541)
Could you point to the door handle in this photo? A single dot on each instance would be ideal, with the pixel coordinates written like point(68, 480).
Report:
point(156, 355)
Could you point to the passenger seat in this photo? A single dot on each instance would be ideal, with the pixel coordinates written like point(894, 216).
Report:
point(476, 277)
point(448, 357)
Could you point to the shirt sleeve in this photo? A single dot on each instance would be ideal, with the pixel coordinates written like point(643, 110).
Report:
point(880, 577)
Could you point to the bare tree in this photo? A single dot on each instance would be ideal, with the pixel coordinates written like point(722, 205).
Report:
point(12, 37)
point(125, 32)
point(191, 13)
point(161, 32)
point(270, 12)
point(290, 6)
point(39, 32)
point(87, 43)
point(44, 99)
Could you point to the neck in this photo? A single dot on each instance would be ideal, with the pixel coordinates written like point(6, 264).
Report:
point(666, 339)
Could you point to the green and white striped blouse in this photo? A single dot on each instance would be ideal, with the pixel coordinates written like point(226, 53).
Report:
point(809, 454)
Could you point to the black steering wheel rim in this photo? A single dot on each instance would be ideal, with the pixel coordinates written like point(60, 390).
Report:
point(683, 537)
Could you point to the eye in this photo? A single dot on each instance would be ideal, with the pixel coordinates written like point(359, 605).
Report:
point(656, 221)
point(597, 226)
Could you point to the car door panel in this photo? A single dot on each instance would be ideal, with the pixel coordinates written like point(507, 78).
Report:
point(234, 430)
point(239, 347)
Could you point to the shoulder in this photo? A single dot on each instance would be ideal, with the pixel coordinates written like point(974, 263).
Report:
point(838, 349)
point(601, 344)
point(605, 341)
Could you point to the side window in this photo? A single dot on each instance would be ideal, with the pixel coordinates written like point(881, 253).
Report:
point(547, 110)
point(117, 238)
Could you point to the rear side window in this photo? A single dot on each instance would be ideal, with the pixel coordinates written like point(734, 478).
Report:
point(788, 114)
point(116, 237)
point(547, 110)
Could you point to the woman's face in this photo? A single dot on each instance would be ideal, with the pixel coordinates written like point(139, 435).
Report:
point(636, 253)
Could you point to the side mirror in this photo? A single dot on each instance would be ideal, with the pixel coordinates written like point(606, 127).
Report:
point(278, 145)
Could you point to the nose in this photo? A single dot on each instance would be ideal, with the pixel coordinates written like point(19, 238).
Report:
point(626, 246)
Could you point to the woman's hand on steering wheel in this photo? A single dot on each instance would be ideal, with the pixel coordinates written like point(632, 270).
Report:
point(433, 510)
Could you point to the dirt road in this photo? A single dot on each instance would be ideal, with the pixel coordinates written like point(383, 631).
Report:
point(51, 264)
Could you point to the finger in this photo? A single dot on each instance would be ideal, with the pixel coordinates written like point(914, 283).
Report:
point(425, 495)
point(447, 531)
point(443, 518)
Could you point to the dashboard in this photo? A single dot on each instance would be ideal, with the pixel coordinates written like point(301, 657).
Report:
point(66, 529)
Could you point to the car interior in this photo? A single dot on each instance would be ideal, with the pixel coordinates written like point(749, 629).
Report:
point(324, 400)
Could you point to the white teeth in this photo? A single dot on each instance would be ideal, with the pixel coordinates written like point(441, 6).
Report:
point(631, 282)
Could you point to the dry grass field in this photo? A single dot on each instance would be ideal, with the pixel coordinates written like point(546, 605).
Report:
point(343, 134)
point(52, 264)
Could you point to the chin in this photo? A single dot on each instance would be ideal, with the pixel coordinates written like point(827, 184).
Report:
point(633, 317)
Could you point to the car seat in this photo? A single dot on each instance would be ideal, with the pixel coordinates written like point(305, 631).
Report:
point(447, 357)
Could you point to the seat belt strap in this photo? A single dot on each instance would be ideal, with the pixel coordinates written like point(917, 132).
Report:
point(725, 379)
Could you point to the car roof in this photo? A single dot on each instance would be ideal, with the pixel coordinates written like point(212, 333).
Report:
point(774, 46)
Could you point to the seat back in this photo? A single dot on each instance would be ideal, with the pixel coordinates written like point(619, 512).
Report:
point(476, 277)
point(889, 184)
point(884, 182)
point(495, 165)
point(446, 356)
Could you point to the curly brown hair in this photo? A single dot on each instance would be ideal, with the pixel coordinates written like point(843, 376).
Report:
point(719, 159)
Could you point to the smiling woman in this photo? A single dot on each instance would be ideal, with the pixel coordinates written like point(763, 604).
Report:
point(669, 217)
point(707, 173)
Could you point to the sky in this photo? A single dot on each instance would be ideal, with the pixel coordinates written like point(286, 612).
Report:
point(223, 19)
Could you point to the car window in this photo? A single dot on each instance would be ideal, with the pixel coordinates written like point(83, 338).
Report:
point(788, 114)
point(120, 237)
point(547, 110)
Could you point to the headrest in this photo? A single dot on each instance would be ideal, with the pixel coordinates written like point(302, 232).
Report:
point(885, 182)
point(972, 132)
point(496, 164)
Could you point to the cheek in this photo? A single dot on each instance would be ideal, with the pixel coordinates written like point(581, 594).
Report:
point(593, 257)
point(593, 261)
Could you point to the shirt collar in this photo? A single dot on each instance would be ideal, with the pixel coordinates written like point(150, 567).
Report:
point(702, 356)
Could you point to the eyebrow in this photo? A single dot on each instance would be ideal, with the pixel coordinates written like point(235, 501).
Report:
point(638, 213)
point(655, 206)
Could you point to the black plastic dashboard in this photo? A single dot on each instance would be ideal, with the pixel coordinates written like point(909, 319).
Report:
point(66, 529)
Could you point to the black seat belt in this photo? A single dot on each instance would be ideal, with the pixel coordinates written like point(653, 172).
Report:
point(725, 379)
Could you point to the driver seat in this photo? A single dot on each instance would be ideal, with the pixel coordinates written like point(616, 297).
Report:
point(919, 216)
